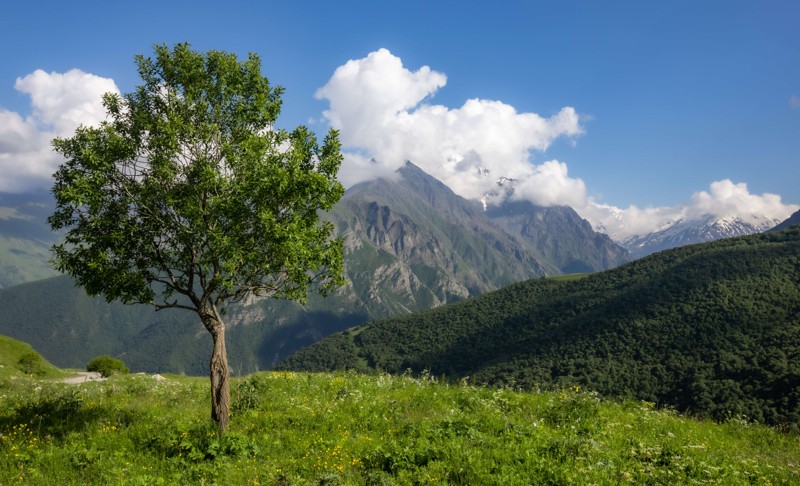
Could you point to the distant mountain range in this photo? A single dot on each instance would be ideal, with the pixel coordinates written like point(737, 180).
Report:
point(712, 329)
point(698, 230)
point(410, 244)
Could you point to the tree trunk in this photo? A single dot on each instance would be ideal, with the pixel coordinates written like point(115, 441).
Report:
point(219, 373)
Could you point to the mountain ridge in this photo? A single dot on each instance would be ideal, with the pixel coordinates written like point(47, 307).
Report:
point(695, 230)
point(788, 222)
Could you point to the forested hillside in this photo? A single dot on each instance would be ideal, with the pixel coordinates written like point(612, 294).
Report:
point(712, 329)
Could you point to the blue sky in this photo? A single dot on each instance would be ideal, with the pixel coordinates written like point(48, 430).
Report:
point(671, 96)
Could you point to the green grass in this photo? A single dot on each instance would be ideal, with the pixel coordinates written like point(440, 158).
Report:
point(570, 276)
point(303, 429)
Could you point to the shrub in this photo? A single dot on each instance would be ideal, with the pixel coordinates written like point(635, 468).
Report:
point(107, 366)
point(31, 363)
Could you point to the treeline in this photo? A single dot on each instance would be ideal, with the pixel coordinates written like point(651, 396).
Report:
point(710, 329)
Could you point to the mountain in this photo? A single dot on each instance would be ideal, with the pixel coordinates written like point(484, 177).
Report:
point(410, 244)
point(413, 243)
point(559, 236)
point(789, 222)
point(690, 231)
point(712, 329)
point(25, 238)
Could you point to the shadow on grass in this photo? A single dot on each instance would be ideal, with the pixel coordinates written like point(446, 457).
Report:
point(60, 411)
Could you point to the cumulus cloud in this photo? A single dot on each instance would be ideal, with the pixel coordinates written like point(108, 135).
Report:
point(60, 102)
point(385, 116)
point(724, 199)
point(550, 185)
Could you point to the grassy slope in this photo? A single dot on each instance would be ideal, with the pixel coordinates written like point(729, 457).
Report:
point(294, 428)
point(11, 350)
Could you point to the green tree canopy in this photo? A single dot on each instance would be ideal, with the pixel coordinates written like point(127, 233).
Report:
point(189, 196)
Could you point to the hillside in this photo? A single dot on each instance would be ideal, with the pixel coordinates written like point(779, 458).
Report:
point(349, 429)
point(69, 328)
point(19, 358)
point(713, 329)
point(25, 238)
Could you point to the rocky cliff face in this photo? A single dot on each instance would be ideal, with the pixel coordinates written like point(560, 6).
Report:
point(558, 236)
point(410, 242)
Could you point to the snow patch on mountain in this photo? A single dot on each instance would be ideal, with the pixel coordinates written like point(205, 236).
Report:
point(697, 230)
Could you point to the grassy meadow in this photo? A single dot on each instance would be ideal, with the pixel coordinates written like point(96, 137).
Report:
point(350, 429)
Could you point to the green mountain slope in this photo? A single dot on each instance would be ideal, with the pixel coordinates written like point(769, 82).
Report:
point(712, 329)
point(68, 327)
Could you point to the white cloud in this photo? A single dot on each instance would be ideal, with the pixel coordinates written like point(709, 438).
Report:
point(60, 103)
point(724, 199)
point(382, 111)
point(550, 185)
point(620, 223)
point(727, 199)
point(794, 101)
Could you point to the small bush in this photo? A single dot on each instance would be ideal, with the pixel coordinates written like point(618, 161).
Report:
point(31, 363)
point(107, 366)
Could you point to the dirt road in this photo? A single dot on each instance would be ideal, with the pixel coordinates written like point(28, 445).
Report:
point(84, 376)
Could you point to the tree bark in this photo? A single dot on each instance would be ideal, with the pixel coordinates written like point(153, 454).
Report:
point(219, 372)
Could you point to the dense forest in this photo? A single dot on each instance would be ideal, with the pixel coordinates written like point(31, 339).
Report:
point(710, 329)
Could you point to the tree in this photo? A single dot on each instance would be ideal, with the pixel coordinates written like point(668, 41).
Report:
point(107, 366)
point(188, 197)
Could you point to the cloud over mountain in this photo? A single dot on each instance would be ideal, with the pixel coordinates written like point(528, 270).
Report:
point(385, 118)
point(724, 199)
point(385, 115)
point(60, 102)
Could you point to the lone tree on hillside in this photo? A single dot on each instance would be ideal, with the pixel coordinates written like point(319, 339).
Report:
point(188, 197)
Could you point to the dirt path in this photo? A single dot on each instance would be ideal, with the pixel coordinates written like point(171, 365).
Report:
point(84, 376)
